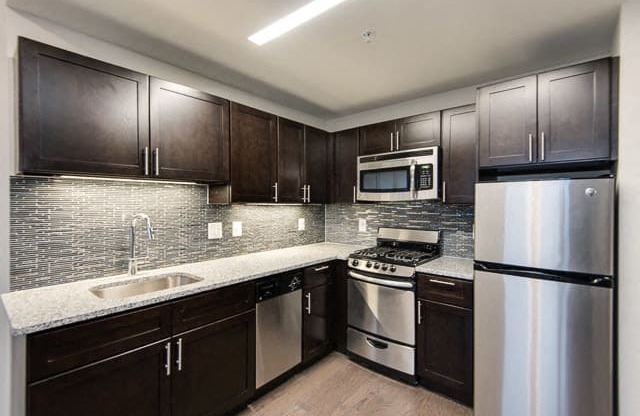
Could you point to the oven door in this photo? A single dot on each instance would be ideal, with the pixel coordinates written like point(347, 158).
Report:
point(382, 307)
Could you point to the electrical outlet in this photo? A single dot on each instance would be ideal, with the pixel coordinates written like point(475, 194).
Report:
point(236, 229)
point(214, 230)
point(362, 225)
point(301, 224)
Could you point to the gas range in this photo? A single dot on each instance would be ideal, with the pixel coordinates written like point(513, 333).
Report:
point(397, 253)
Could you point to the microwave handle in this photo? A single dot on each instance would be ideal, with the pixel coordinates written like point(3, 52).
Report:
point(412, 178)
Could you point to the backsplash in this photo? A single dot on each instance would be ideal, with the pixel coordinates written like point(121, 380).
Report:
point(455, 221)
point(64, 230)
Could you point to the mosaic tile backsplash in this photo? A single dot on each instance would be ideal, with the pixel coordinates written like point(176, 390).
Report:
point(64, 230)
point(455, 221)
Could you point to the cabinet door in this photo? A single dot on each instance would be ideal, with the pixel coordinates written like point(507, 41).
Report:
point(507, 123)
point(339, 297)
point(574, 113)
point(445, 349)
point(459, 154)
point(316, 165)
point(345, 161)
point(189, 133)
point(378, 138)
point(135, 383)
point(316, 323)
point(214, 367)
point(253, 154)
point(290, 161)
point(419, 131)
point(80, 115)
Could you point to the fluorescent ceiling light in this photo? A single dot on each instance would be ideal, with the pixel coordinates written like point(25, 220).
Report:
point(293, 20)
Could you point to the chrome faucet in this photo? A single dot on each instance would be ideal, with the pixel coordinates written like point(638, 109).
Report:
point(133, 260)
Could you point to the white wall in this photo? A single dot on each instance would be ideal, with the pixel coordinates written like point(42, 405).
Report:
point(629, 211)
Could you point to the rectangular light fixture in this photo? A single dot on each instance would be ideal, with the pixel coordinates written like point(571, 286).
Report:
point(293, 20)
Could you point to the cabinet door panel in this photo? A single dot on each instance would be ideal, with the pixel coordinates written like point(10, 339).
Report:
point(316, 324)
point(80, 115)
point(459, 154)
point(316, 164)
point(377, 138)
point(419, 131)
point(253, 154)
point(190, 129)
point(290, 161)
point(134, 383)
point(574, 113)
point(345, 158)
point(507, 116)
point(218, 367)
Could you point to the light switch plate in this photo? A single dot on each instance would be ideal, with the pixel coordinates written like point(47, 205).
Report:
point(362, 225)
point(214, 230)
point(236, 230)
point(301, 224)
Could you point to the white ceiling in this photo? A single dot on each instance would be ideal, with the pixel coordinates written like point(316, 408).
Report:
point(323, 68)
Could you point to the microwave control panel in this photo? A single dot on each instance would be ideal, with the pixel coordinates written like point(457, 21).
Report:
point(425, 177)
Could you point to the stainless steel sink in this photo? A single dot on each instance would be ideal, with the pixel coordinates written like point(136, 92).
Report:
point(143, 285)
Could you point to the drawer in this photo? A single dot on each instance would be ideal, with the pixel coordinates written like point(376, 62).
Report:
point(320, 274)
point(62, 349)
point(212, 306)
point(392, 355)
point(447, 290)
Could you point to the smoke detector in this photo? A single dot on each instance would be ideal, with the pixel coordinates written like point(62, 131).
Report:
point(368, 35)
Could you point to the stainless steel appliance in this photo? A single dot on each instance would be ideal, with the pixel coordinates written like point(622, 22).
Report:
point(543, 301)
point(399, 176)
point(381, 297)
point(278, 326)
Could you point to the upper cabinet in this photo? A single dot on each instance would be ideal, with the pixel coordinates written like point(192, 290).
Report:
point(552, 117)
point(459, 154)
point(80, 115)
point(291, 186)
point(407, 133)
point(344, 166)
point(316, 162)
point(189, 133)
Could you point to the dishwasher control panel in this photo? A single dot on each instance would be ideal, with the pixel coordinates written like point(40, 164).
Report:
point(278, 285)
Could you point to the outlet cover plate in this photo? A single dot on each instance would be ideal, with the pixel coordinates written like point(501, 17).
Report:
point(301, 224)
point(236, 229)
point(362, 225)
point(214, 230)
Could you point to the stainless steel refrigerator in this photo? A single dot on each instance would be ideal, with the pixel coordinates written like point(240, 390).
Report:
point(543, 312)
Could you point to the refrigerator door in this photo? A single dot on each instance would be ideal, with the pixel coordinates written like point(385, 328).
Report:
point(542, 348)
point(564, 225)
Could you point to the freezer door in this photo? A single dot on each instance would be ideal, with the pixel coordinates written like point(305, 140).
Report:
point(564, 225)
point(541, 347)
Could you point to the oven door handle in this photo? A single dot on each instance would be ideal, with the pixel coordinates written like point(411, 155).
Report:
point(383, 282)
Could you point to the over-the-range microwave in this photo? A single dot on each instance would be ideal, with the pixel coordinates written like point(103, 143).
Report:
point(399, 176)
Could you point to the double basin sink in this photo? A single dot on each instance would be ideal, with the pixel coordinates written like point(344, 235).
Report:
point(143, 285)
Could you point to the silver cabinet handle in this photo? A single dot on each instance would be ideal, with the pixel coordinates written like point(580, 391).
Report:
point(275, 187)
point(167, 364)
point(308, 194)
point(304, 193)
point(179, 359)
point(308, 308)
point(156, 155)
point(442, 282)
point(321, 268)
point(419, 312)
point(391, 141)
point(542, 146)
point(354, 194)
point(145, 155)
point(397, 140)
point(530, 147)
point(444, 192)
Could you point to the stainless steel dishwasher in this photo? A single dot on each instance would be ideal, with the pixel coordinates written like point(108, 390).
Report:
point(278, 326)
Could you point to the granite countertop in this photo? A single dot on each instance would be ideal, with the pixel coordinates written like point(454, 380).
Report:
point(449, 266)
point(48, 307)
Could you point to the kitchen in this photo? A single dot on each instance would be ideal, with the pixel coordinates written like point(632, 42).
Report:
point(73, 229)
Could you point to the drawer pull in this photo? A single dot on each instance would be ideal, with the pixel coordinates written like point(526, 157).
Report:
point(442, 282)
point(319, 269)
point(377, 344)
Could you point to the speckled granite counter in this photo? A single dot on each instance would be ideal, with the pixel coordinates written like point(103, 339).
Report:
point(449, 266)
point(48, 307)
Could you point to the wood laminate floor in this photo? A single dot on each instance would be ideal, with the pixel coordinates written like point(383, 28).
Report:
point(336, 386)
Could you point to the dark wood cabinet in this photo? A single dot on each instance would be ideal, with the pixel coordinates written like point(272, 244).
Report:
point(317, 312)
point(459, 166)
point(189, 132)
point(444, 336)
point(253, 154)
point(377, 138)
point(80, 115)
point(344, 163)
point(317, 177)
point(554, 117)
point(290, 161)
point(418, 131)
point(339, 307)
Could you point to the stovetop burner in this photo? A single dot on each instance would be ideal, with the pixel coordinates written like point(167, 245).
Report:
point(397, 255)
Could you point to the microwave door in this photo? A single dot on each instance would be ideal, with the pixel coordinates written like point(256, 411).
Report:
point(385, 181)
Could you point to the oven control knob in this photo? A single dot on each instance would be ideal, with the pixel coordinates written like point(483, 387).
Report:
point(368, 264)
point(392, 269)
point(355, 262)
point(385, 267)
point(376, 266)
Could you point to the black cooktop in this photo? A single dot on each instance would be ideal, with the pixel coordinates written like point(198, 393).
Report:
point(398, 255)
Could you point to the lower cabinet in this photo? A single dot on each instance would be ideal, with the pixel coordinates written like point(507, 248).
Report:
point(444, 336)
point(317, 321)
